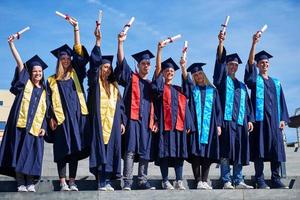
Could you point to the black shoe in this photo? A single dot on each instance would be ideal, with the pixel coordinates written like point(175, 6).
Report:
point(146, 186)
point(277, 184)
point(262, 185)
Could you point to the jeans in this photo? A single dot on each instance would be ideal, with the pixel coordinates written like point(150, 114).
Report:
point(164, 169)
point(237, 176)
point(128, 169)
point(259, 171)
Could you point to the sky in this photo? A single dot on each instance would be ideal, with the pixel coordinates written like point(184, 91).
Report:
point(198, 22)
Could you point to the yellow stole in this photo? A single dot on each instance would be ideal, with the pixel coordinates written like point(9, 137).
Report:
point(56, 101)
point(107, 110)
point(39, 114)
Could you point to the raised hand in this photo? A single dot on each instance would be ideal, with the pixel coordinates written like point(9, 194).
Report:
point(122, 37)
point(221, 37)
point(256, 37)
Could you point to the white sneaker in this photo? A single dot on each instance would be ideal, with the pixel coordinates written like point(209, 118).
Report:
point(109, 187)
point(31, 188)
point(167, 185)
point(228, 185)
point(102, 189)
point(206, 186)
point(73, 187)
point(22, 188)
point(178, 185)
point(64, 187)
point(243, 185)
point(200, 185)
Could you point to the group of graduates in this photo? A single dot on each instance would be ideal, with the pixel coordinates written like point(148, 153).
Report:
point(154, 120)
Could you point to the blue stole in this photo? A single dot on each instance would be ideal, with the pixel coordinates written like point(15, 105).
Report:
point(229, 101)
point(203, 133)
point(260, 94)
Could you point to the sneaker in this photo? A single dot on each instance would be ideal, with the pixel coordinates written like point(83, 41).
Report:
point(243, 185)
point(127, 186)
point(200, 185)
point(22, 188)
point(262, 185)
point(102, 189)
point(228, 185)
point(64, 187)
point(178, 185)
point(109, 187)
point(206, 186)
point(279, 185)
point(73, 187)
point(167, 185)
point(30, 188)
point(146, 186)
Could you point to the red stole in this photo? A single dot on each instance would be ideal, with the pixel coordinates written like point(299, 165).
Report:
point(167, 106)
point(135, 101)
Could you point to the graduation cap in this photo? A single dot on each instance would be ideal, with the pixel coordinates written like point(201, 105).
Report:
point(233, 58)
point(262, 55)
point(35, 61)
point(169, 63)
point(143, 55)
point(195, 67)
point(107, 59)
point(63, 50)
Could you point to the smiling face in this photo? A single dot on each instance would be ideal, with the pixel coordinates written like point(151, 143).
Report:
point(263, 66)
point(199, 78)
point(105, 71)
point(232, 68)
point(65, 61)
point(144, 67)
point(168, 74)
point(36, 73)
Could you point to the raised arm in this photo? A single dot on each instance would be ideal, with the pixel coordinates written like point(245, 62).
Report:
point(160, 46)
point(121, 39)
point(255, 40)
point(221, 38)
point(183, 68)
point(220, 70)
point(15, 53)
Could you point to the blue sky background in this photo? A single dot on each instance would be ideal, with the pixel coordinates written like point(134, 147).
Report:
point(198, 21)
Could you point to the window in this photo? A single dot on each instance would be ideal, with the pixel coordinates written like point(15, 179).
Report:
point(2, 125)
point(1, 103)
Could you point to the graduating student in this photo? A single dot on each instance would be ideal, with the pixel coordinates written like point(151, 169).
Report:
point(238, 117)
point(139, 111)
point(22, 147)
point(107, 118)
point(271, 114)
point(174, 121)
point(69, 113)
point(206, 112)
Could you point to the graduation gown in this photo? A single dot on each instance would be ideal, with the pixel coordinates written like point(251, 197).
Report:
point(138, 135)
point(72, 137)
point(172, 144)
point(234, 140)
point(20, 151)
point(267, 139)
point(195, 148)
point(111, 154)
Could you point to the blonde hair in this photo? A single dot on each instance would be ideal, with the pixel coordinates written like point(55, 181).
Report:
point(206, 81)
point(106, 83)
point(60, 72)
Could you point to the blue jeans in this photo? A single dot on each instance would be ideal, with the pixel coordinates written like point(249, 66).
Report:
point(237, 176)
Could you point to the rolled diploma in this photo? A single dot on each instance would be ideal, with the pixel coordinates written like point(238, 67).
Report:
point(264, 28)
point(99, 17)
point(16, 35)
point(64, 16)
point(225, 23)
point(166, 41)
point(184, 50)
point(128, 25)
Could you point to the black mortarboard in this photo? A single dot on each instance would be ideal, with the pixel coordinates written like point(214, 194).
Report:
point(169, 63)
point(35, 61)
point(262, 55)
point(63, 50)
point(195, 67)
point(143, 55)
point(107, 59)
point(233, 58)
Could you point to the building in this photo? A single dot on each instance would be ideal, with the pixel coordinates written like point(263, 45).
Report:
point(6, 101)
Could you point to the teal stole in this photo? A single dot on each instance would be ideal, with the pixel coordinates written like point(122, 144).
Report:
point(260, 94)
point(229, 101)
point(203, 131)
